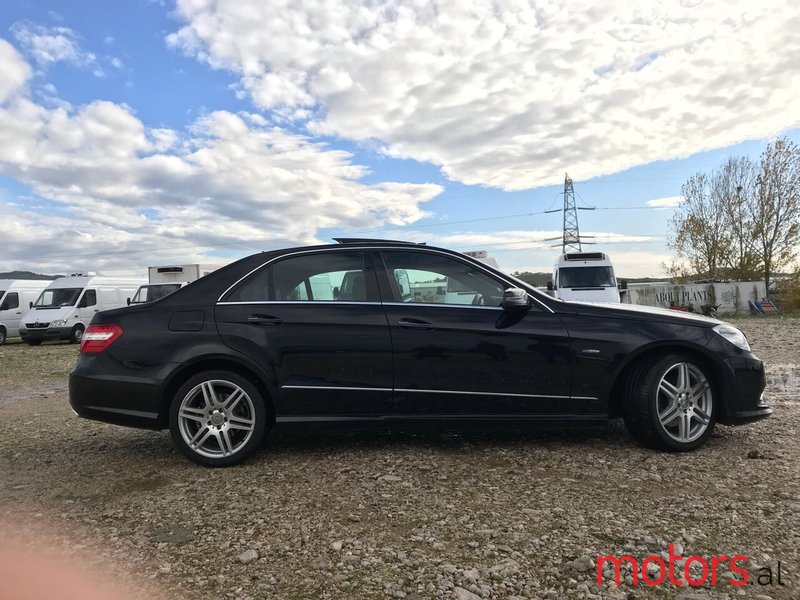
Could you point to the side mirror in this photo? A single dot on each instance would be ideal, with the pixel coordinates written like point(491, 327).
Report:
point(129, 301)
point(30, 304)
point(549, 286)
point(623, 284)
point(515, 299)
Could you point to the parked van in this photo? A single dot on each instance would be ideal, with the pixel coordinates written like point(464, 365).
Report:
point(15, 297)
point(585, 276)
point(66, 306)
point(167, 279)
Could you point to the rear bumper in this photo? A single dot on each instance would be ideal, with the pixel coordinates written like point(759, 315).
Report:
point(51, 333)
point(120, 401)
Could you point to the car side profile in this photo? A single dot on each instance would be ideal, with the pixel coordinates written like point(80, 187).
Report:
point(374, 332)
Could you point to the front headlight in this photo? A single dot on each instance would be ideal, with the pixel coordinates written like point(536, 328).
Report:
point(59, 323)
point(733, 335)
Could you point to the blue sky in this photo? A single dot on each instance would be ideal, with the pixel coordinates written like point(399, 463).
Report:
point(152, 132)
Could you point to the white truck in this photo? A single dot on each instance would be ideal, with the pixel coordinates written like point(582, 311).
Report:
point(585, 277)
point(167, 279)
point(16, 296)
point(64, 308)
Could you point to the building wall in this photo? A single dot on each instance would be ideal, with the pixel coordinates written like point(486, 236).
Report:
point(731, 297)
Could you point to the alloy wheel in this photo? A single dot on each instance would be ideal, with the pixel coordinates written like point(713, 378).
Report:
point(685, 402)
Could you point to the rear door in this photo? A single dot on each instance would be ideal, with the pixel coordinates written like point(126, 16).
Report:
point(12, 313)
point(457, 352)
point(314, 320)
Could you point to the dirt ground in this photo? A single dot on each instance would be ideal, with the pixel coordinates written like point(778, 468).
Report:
point(394, 515)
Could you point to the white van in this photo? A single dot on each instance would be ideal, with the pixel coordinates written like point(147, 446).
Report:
point(15, 297)
point(167, 279)
point(585, 277)
point(65, 307)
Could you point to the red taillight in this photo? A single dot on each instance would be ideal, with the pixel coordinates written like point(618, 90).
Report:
point(97, 338)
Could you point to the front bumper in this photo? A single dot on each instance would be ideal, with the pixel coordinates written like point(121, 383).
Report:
point(745, 390)
point(50, 333)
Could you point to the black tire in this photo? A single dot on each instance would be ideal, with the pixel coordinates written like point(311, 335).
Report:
point(34, 342)
point(690, 416)
point(76, 335)
point(199, 425)
point(2, 335)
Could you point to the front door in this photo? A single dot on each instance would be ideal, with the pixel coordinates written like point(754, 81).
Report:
point(11, 313)
point(457, 352)
point(314, 320)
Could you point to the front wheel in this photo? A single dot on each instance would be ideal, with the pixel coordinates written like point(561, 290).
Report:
point(670, 404)
point(218, 418)
point(77, 334)
point(2, 336)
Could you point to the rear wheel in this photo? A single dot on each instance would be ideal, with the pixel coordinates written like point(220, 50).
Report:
point(670, 404)
point(77, 334)
point(2, 335)
point(218, 418)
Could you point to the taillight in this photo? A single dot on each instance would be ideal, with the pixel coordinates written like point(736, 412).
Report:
point(97, 338)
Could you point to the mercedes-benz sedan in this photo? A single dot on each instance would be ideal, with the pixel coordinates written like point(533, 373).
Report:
point(369, 332)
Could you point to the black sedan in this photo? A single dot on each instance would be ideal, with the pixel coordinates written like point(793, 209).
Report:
point(369, 332)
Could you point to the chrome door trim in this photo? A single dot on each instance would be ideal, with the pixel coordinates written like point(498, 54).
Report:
point(373, 389)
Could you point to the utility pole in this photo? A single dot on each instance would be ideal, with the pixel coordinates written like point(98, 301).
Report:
point(571, 239)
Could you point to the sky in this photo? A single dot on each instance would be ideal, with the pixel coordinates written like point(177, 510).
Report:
point(155, 132)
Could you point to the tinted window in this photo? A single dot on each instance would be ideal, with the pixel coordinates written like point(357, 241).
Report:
point(12, 300)
point(333, 276)
point(433, 279)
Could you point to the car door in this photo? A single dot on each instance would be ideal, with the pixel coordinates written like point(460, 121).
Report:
point(457, 352)
point(314, 320)
point(11, 313)
point(86, 307)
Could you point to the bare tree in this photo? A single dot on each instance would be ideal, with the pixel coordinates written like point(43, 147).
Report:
point(733, 187)
point(700, 230)
point(777, 217)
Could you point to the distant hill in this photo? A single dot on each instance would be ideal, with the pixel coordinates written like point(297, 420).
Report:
point(27, 275)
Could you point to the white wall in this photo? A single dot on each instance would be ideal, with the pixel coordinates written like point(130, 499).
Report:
point(732, 297)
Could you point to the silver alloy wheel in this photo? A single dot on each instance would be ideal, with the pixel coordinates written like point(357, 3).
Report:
point(684, 401)
point(216, 418)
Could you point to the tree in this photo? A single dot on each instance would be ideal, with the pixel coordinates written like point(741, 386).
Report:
point(733, 187)
point(700, 231)
point(777, 220)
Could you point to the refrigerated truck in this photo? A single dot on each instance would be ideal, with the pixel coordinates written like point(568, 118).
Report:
point(15, 297)
point(167, 279)
point(64, 308)
point(585, 277)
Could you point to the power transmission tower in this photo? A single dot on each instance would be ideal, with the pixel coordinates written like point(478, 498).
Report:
point(571, 239)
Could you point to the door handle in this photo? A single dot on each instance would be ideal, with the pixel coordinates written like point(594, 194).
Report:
point(264, 320)
point(415, 324)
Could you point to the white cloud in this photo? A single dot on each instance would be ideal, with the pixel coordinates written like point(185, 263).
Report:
point(15, 71)
point(668, 202)
point(47, 45)
point(110, 185)
point(511, 94)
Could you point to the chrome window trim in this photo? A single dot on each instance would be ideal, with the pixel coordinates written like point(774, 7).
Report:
point(371, 389)
point(333, 302)
point(346, 248)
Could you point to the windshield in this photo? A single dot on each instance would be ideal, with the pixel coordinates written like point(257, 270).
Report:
point(148, 293)
point(58, 297)
point(586, 277)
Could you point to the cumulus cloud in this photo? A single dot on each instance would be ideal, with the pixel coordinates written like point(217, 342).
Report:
point(47, 45)
point(512, 94)
point(15, 72)
point(111, 186)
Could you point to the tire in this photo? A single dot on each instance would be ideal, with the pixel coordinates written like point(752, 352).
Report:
point(202, 425)
point(671, 403)
point(2, 335)
point(77, 334)
point(34, 342)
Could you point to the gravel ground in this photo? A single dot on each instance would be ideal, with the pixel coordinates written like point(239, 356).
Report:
point(392, 515)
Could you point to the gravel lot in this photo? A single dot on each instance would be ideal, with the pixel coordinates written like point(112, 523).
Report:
point(395, 515)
